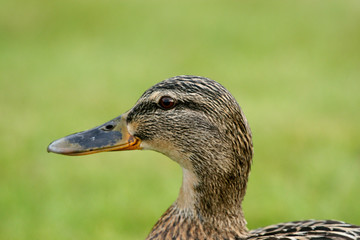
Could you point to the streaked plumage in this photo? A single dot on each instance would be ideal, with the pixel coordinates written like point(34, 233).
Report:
point(309, 229)
point(196, 122)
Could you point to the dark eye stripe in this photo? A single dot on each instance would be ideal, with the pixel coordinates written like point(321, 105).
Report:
point(192, 106)
point(146, 107)
point(140, 109)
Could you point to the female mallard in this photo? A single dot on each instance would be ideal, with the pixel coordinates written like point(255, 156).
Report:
point(196, 122)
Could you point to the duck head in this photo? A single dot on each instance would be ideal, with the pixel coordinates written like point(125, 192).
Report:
point(196, 122)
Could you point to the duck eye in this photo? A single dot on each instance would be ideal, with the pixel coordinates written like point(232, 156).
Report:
point(166, 102)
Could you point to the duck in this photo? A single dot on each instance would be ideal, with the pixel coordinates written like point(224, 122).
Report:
point(196, 122)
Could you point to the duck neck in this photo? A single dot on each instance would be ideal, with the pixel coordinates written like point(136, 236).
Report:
point(213, 200)
point(199, 213)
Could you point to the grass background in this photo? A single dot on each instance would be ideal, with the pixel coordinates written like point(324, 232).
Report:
point(66, 66)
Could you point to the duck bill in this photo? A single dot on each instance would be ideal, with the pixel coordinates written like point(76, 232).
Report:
point(111, 136)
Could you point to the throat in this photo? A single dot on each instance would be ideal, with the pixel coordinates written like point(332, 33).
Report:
point(186, 200)
point(215, 207)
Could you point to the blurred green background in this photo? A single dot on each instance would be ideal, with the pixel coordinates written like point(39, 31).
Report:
point(66, 66)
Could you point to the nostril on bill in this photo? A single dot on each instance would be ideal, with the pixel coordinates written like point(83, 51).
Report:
point(109, 127)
